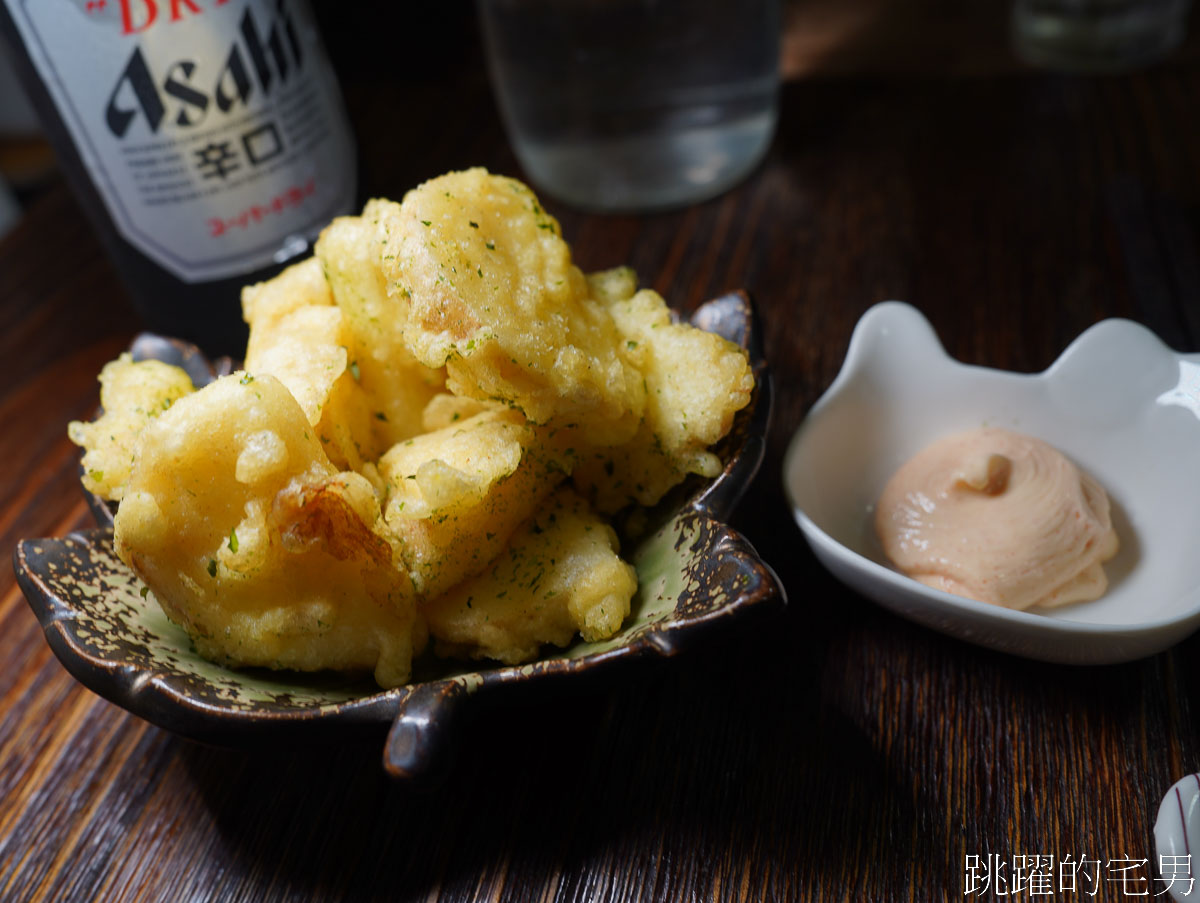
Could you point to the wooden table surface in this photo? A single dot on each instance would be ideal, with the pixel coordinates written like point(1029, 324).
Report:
point(832, 752)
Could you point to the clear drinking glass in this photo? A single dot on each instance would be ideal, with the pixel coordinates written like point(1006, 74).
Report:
point(1097, 35)
point(635, 105)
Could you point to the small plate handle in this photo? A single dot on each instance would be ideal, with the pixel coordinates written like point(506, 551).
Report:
point(418, 743)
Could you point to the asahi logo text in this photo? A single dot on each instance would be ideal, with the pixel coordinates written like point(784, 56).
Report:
point(182, 94)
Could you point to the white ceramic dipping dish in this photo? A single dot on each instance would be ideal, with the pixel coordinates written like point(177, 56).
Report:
point(1117, 402)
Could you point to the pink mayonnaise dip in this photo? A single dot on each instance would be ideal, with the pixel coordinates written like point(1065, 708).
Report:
point(999, 517)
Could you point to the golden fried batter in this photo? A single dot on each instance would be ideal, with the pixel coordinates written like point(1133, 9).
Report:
point(257, 545)
point(456, 494)
point(488, 289)
point(695, 383)
point(132, 394)
point(559, 575)
point(395, 384)
point(394, 461)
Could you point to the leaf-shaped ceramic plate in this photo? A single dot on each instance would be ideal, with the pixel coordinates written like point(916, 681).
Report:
point(1118, 402)
point(695, 574)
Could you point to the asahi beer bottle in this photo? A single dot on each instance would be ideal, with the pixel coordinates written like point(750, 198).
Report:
point(206, 138)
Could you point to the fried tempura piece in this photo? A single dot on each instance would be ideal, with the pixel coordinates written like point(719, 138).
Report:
point(446, 410)
point(487, 288)
point(257, 546)
point(265, 304)
point(306, 351)
point(132, 395)
point(300, 337)
point(695, 382)
point(611, 286)
point(456, 494)
point(560, 574)
point(396, 385)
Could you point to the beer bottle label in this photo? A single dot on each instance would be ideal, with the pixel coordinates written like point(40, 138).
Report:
point(212, 129)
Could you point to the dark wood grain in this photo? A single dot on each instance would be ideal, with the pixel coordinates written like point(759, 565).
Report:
point(832, 753)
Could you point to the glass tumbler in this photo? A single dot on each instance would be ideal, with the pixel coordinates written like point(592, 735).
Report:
point(635, 105)
point(1097, 35)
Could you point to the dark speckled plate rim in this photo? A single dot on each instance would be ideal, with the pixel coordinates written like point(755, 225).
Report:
point(420, 713)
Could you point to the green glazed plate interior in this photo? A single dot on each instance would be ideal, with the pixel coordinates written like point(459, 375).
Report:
point(694, 573)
